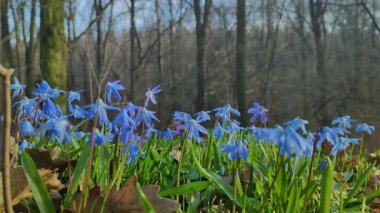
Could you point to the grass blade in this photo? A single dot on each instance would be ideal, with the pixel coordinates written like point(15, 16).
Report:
point(144, 200)
point(363, 178)
point(186, 188)
point(39, 190)
point(78, 172)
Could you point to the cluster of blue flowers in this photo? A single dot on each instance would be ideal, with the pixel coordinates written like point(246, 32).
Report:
point(39, 117)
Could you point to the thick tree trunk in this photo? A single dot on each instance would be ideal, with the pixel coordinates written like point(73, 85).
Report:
point(316, 16)
point(6, 58)
point(240, 61)
point(53, 43)
point(201, 21)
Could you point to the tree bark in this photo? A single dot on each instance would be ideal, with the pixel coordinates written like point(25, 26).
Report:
point(133, 51)
point(6, 49)
point(201, 22)
point(240, 61)
point(53, 48)
point(316, 17)
point(30, 54)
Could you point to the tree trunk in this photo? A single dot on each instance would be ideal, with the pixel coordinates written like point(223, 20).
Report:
point(99, 37)
point(6, 49)
point(201, 22)
point(240, 61)
point(158, 54)
point(30, 53)
point(316, 17)
point(133, 51)
point(53, 44)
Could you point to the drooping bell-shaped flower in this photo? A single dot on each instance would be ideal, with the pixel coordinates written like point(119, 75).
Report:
point(365, 128)
point(235, 150)
point(343, 122)
point(298, 123)
point(146, 116)
point(342, 144)
point(16, 87)
point(224, 113)
point(26, 128)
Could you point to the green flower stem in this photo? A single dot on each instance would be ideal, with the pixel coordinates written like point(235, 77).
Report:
point(83, 199)
point(279, 165)
point(236, 178)
point(310, 176)
point(180, 161)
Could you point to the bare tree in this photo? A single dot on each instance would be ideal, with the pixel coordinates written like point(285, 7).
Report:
point(201, 22)
point(240, 61)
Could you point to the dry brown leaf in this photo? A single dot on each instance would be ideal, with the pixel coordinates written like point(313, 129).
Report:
point(176, 153)
point(160, 204)
point(126, 200)
point(94, 204)
point(41, 157)
point(20, 188)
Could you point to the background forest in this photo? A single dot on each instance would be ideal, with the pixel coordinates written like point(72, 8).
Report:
point(317, 59)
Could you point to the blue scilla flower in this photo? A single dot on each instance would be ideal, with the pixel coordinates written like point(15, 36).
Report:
point(218, 130)
point(44, 91)
point(131, 109)
point(26, 106)
point(77, 112)
point(133, 152)
point(23, 145)
point(256, 132)
point(49, 108)
point(330, 134)
point(100, 138)
point(123, 120)
point(258, 111)
point(168, 134)
point(181, 117)
point(202, 116)
point(100, 108)
point(289, 141)
point(146, 116)
point(16, 87)
point(342, 144)
point(224, 113)
point(235, 150)
point(112, 89)
point(365, 128)
point(26, 128)
point(298, 123)
point(148, 132)
point(126, 135)
point(194, 129)
point(58, 129)
point(233, 126)
point(150, 95)
point(343, 122)
point(73, 96)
